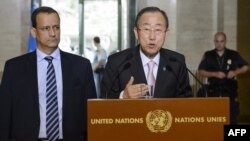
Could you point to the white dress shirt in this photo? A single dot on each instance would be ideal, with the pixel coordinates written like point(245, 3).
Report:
point(145, 61)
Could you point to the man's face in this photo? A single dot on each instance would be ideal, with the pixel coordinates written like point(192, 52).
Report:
point(47, 32)
point(151, 33)
point(219, 42)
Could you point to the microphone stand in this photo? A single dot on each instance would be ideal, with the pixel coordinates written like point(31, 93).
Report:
point(203, 87)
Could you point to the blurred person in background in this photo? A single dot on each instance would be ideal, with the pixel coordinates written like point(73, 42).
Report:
point(98, 63)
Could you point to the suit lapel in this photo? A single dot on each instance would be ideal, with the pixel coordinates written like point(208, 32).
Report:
point(32, 65)
point(137, 68)
point(66, 71)
point(33, 83)
point(162, 74)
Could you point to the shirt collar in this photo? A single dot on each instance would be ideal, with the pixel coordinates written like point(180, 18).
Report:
point(41, 55)
point(145, 59)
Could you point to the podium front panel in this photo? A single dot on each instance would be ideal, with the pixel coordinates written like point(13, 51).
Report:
point(180, 119)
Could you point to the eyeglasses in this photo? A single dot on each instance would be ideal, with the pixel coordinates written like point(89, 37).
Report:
point(48, 28)
point(148, 30)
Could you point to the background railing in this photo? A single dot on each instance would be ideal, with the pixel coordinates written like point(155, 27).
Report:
point(195, 85)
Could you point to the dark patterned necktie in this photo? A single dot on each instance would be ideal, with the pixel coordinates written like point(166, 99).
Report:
point(52, 115)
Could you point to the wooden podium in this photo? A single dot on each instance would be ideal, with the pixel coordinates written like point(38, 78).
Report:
point(174, 119)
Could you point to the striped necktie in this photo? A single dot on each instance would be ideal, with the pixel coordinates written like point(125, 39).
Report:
point(52, 115)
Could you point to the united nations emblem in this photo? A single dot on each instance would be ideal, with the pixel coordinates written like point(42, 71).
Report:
point(159, 121)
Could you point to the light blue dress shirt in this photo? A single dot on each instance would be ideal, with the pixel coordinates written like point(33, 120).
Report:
point(41, 73)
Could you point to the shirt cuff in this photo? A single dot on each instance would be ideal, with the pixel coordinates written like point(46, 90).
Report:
point(121, 95)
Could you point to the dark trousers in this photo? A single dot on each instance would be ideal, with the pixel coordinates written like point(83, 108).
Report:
point(234, 111)
point(226, 91)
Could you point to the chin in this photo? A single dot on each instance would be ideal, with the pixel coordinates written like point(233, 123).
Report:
point(151, 55)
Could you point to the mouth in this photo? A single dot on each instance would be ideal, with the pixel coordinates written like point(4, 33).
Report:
point(53, 40)
point(151, 45)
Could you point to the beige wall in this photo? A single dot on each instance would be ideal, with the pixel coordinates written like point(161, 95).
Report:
point(10, 31)
point(14, 17)
point(195, 28)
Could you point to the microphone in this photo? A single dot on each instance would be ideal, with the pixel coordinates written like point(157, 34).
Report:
point(121, 67)
point(203, 91)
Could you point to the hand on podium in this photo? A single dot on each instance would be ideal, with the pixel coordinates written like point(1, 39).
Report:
point(135, 91)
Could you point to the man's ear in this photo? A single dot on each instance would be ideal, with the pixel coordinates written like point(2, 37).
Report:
point(136, 33)
point(166, 34)
point(33, 32)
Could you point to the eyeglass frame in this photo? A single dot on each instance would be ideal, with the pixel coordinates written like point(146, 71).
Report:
point(155, 30)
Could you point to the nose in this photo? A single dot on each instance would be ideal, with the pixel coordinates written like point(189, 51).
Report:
point(152, 34)
point(52, 32)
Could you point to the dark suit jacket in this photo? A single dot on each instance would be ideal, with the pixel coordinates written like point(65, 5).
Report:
point(19, 104)
point(172, 76)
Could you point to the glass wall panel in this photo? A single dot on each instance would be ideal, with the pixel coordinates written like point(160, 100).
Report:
point(100, 19)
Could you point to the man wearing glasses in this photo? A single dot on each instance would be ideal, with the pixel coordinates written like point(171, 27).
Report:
point(44, 93)
point(147, 70)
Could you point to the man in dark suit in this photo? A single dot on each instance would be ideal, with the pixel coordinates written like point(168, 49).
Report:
point(147, 69)
point(25, 86)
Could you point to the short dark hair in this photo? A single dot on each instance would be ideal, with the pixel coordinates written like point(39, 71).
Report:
point(151, 9)
point(97, 40)
point(43, 9)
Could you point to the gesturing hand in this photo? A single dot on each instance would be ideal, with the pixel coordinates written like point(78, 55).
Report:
point(134, 90)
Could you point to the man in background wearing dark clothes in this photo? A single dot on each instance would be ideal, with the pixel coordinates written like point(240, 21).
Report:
point(221, 65)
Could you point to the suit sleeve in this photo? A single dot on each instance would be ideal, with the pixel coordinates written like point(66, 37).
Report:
point(5, 105)
point(90, 84)
point(90, 92)
point(110, 83)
